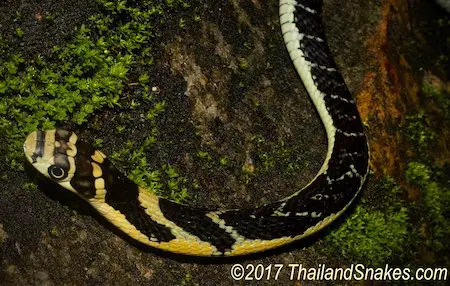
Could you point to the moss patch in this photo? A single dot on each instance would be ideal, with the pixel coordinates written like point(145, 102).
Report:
point(75, 80)
point(433, 209)
point(419, 131)
point(102, 66)
point(374, 235)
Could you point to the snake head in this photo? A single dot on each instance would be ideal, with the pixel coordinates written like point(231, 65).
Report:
point(69, 162)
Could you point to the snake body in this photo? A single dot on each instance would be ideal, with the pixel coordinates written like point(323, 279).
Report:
point(164, 224)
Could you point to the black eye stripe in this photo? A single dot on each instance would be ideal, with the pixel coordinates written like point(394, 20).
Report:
point(39, 147)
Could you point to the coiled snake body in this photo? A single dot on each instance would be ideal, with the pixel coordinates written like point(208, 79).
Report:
point(166, 225)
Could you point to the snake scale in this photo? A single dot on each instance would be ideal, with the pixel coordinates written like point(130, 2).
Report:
point(166, 225)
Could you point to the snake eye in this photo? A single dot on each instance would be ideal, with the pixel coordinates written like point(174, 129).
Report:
point(56, 172)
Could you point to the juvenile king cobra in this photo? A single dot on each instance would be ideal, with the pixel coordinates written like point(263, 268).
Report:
point(164, 224)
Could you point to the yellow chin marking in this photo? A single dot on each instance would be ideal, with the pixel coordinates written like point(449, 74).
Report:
point(97, 157)
point(96, 170)
point(100, 195)
point(99, 183)
point(72, 165)
point(73, 138)
point(71, 152)
point(71, 149)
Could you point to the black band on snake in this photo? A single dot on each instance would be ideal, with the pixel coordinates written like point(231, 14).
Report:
point(177, 228)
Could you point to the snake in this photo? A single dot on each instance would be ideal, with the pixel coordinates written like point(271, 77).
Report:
point(160, 223)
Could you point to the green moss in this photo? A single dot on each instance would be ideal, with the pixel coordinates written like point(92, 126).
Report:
point(157, 109)
point(98, 143)
point(429, 90)
point(29, 186)
point(418, 173)
point(434, 89)
point(371, 236)
point(181, 23)
point(243, 63)
point(49, 18)
point(434, 209)
point(274, 155)
point(3, 177)
point(18, 17)
point(223, 160)
point(187, 280)
point(54, 232)
point(374, 235)
point(19, 32)
point(76, 79)
point(164, 181)
point(419, 131)
point(204, 155)
point(177, 3)
point(100, 67)
point(378, 234)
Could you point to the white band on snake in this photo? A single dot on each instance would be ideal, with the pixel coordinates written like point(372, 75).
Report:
point(166, 225)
